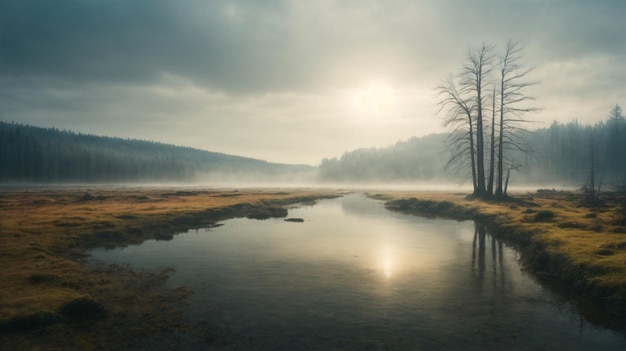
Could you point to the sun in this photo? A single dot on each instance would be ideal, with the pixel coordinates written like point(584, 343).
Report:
point(374, 97)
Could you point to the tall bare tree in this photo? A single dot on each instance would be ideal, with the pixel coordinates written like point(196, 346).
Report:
point(460, 119)
point(513, 105)
point(492, 142)
point(592, 185)
point(466, 103)
point(475, 75)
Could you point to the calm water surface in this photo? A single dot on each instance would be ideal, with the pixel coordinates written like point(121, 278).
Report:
point(356, 276)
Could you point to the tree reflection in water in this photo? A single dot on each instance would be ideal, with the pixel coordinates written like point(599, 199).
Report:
point(479, 265)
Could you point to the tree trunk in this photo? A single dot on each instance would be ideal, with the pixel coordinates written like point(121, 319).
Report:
point(506, 184)
point(492, 145)
point(500, 142)
point(472, 154)
point(480, 161)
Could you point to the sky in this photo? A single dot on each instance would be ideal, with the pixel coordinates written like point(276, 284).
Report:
point(292, 81)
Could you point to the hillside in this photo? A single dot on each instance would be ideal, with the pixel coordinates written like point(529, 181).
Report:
point(416, 159)
point(560, 155)
point(48, 155)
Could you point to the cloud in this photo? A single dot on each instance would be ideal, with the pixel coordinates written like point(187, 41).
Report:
point(235, 46)
point(270, 79)
point(290, 127)
point(285, 45)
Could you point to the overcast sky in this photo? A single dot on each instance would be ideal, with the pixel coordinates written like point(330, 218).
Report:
point(291, 81)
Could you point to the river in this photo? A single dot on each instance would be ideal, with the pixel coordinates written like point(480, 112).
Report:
point(355, 276)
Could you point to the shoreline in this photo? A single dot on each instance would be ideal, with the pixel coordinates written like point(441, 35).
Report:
point(585, 260)
point(47, 233)
point(51, 297)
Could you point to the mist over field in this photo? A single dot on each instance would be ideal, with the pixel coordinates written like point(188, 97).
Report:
point(287, 81)
point(322, 92)
point(559, 158)
point(324, 174)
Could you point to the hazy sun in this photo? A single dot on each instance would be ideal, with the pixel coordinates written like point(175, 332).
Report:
point(374, 98)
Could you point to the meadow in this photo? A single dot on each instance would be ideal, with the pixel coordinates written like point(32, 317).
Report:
point(51, 297)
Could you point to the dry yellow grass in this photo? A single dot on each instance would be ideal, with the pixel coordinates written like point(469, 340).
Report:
point(44, 235)
point(589, 242)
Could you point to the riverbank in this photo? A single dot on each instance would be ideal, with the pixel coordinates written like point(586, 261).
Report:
point(51, 299)
point(579, 249)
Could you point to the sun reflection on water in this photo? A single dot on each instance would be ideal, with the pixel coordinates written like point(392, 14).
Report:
point(387, 262)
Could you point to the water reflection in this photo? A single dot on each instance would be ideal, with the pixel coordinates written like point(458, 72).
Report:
point(481, 243)
point(356, 276)
point(387, 262)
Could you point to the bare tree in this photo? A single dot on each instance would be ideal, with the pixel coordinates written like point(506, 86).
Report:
point(592, 186)
point(460, 118)
point(466, 104)
point(512, 167)
point(492, 142)
point(476, 69)
point(513, 105)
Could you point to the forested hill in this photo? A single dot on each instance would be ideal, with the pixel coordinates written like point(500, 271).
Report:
point(416, 159)
point(562, 154)
point(34, 154)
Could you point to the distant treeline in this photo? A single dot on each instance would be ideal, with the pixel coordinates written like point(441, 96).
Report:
point(34, 154)
point(417, 159)
point(566, 152)
point(560, 154)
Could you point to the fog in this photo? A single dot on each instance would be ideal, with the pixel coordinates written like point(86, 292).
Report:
point(560, 157)
point(290, 81)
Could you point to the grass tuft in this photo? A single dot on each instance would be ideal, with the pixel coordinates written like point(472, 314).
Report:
point(544, 216)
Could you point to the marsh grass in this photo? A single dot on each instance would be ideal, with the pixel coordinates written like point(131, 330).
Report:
point(582, 247)
point(544, 216)
point(50, 298)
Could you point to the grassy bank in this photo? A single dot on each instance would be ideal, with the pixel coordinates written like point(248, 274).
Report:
point(51, 299)
point(580, 248)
